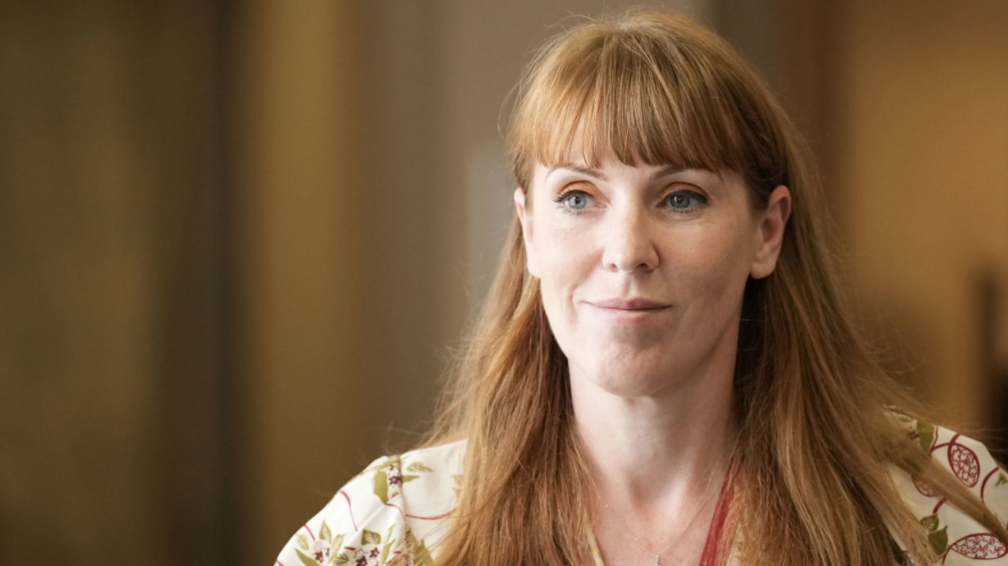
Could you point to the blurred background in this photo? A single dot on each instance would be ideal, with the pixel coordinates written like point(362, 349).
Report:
point(238, 238)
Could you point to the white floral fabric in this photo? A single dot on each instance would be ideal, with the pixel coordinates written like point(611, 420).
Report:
point(394, 512)
point(957, 539)
point(397, 511)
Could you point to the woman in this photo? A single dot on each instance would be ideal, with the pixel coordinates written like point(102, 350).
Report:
point(664, 371)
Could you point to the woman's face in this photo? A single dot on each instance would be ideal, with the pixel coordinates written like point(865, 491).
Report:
point(642, 268)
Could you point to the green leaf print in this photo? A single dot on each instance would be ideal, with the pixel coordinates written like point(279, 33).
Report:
point(418, 467)
point(417, 549)
point(381, 485)
point(925, 435)
point(302, 541)
point(324, 532)
point(337, 543)
point(422, 556)
point(370, 537)
point(409, 477)
point(307, 560)
point(938, 538)
point(1002, 479)
point(930, 523)
point(939, 541)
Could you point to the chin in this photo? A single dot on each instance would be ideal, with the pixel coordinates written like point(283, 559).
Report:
point(630, 381)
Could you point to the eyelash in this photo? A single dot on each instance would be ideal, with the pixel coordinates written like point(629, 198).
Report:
point(561, 200)
point(700, 201)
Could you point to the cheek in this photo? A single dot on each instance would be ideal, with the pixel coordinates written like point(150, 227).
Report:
point(565, 267)
point(717, 269)
point(565, 256)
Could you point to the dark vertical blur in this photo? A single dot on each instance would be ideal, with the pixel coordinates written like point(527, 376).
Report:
point(112, 333)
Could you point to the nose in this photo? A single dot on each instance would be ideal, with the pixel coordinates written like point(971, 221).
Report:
point(629, 245)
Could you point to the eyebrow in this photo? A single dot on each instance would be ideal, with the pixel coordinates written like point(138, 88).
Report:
point(596, 174)
point(588, 171)
point(668, 170)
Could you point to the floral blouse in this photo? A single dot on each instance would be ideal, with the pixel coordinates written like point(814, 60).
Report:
point(397, 510)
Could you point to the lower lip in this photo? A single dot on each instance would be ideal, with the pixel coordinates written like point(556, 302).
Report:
point(629, 316)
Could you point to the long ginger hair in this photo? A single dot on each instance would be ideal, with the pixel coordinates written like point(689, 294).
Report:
point(817, 433)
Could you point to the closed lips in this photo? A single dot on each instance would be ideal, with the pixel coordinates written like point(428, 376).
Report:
point(629, 304)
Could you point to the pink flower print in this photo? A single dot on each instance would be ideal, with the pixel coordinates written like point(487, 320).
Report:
point(321, 550)
point(394, 477)
point(390, 476)
point(363, 557)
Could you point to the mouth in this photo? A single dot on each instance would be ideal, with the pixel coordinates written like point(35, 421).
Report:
point(629, 304)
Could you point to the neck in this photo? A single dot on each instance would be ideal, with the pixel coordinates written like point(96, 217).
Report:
point(663, 452)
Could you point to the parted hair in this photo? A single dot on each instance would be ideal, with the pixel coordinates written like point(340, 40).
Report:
point(818, 431)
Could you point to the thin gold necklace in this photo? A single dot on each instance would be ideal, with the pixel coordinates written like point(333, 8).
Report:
point(657, 555)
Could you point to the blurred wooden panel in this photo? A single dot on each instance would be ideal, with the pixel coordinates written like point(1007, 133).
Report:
point(906, 107)
point(921, 162)
point(300, 256)
point(110, 325)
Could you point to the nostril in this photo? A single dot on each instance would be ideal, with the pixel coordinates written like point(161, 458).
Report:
point(630, 255)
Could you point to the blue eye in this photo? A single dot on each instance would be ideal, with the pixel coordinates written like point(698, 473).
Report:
point(685, 200)
point(576, 200)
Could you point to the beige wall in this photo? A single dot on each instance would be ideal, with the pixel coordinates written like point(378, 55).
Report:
point(921, 174)
point(299, 238)
point(110, 354)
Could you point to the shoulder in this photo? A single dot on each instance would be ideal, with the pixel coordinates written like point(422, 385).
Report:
point(398, 506)
point(953, 535)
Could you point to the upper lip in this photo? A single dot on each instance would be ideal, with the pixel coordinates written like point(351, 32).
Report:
point(630, 304)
